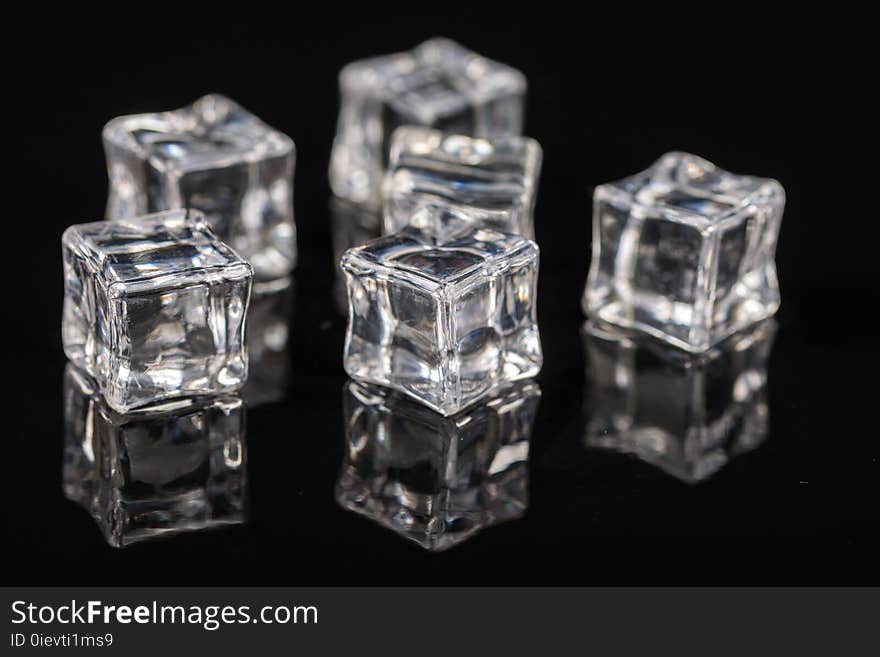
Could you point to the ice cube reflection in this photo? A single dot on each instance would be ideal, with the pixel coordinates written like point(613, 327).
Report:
point(686, 414)
point(436, 480)
point(162, 470)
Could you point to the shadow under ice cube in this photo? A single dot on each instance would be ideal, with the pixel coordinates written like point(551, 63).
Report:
point(215, 157)
point(685, 251)
point(436, 480)
point(686, 414)
point(154, 308)
point(492, 180)
point(440, 84)
point(269, 319)
point(175, 467)
point(443, 323)
point(351, 225)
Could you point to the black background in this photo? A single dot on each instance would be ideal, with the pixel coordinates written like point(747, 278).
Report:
point(609, 91)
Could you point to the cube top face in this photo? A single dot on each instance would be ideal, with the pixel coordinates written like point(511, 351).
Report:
point(685, 252)
point(162, 470)
point(438, 84)
point(212, 132)
point(438, 266)
point(436, 80)
point(163, 249)
point(687, 189)
point(687, 414)
point(436, 480)
point(154, 308)
point(494, 179)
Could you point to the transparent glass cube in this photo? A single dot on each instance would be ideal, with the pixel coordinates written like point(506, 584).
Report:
point(444, 323)
point(215, 157)
point(687, 414)
point(436, 480)
point(685, 251)
point(154, 308)
point(175, 467)
point(490, 181)
point(439, 84)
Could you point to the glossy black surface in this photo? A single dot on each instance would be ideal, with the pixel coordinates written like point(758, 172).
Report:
point(606, 98)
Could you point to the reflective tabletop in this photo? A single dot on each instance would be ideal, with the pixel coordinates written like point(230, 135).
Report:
point(623, 462)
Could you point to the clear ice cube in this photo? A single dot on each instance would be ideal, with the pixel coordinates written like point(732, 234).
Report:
point(439, 84)
point(685, 251)
point(154, 308)
point(436, 480)
point(445, 323)
point(684, 413)
point(176, 467)
point(215, 157)
point(493, 181)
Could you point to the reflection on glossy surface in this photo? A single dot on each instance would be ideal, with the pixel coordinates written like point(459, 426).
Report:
point(685, 414)
point(268, 336)
point(436, 480)
point(352, 226)
point(170, 468)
